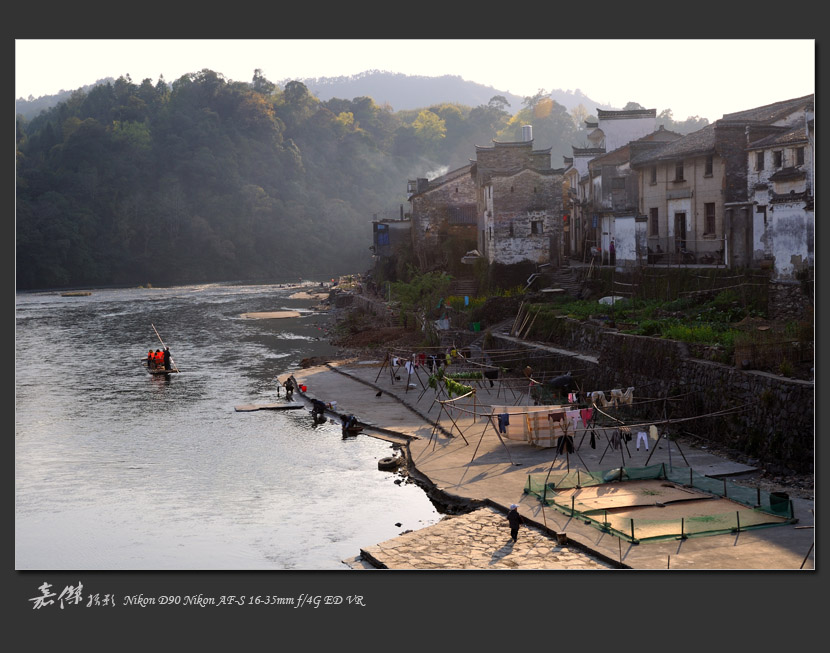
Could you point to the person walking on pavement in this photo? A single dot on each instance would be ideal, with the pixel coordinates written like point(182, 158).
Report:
point(514, 519)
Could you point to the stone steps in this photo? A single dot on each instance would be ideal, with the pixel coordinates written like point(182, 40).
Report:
point(567, 279)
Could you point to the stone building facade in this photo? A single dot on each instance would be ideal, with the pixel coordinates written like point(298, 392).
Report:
point(682, 194)
point(519, 204)
point(442, 209)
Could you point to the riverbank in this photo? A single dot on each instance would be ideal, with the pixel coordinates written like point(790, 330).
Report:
point(467, 469)
point(463, 464)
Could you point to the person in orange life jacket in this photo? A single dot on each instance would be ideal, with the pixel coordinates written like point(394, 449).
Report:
point(150, 359)
point(158, 358)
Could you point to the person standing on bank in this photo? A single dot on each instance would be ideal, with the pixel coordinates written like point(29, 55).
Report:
point(514, 519)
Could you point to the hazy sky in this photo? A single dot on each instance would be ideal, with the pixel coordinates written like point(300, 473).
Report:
point(707, 78)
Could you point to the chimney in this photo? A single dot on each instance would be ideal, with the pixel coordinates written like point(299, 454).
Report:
point(527, 132)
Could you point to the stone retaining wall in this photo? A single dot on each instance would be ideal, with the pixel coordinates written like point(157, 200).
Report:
point(768, 417)
point(787, 301)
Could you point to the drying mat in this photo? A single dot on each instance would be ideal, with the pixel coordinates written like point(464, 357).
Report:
point(653, 509)
point(623, 494)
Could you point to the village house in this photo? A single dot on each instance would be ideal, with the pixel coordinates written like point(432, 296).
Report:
point(443, 217)
point(579, 230)
point(694, 190)
point(613, 200)
point(504, 207)
point(519, 203)
point(588, 221)
point(780, 183)
point(390, 235)
point(613, 129)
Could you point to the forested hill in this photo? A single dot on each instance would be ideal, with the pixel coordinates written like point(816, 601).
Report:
point(207, 179)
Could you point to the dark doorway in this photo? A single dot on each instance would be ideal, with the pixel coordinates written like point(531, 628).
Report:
point(679, 232)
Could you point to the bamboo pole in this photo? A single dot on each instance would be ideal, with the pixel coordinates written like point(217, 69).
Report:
point(530, 326)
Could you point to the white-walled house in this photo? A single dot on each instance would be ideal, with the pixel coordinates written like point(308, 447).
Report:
point(614, 129)
point(613, 202)
point(780, 186)
point(591, 204)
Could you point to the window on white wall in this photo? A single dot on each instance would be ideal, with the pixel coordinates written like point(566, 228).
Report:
point(653, 225)
point(537, 227)
point(799, 156)
point(709, 217)
point(778, 159)
point(761, 208)
point(759, 160)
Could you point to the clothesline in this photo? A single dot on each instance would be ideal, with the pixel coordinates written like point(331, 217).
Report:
point(720, 413)
point(563, 408)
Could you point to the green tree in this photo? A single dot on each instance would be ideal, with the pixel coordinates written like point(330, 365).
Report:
point(429, 127)
point(261, 84)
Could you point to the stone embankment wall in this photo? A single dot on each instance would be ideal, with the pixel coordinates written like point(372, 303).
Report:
point(787, 301)
point(765, 416)
point(376, 307)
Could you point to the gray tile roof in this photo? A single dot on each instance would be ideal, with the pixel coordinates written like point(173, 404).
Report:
point(700, 142)
point(772, 112)
point(703, 141)
point(788, 137)
point(623, 115)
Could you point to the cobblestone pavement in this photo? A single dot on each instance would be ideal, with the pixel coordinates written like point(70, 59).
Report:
point(478, 540)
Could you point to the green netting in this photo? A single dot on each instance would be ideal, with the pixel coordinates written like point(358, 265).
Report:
point(755, 508)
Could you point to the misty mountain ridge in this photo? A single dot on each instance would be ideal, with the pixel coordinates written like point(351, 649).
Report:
point(407, 92)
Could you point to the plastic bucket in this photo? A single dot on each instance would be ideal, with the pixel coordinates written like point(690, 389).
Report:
point(302, 388)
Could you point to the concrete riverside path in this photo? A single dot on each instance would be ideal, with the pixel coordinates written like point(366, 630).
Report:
point(458, 457)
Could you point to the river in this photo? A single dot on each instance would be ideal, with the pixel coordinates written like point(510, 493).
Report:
point(119, 470)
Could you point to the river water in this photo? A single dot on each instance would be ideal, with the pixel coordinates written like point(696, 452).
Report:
point(118, 470)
